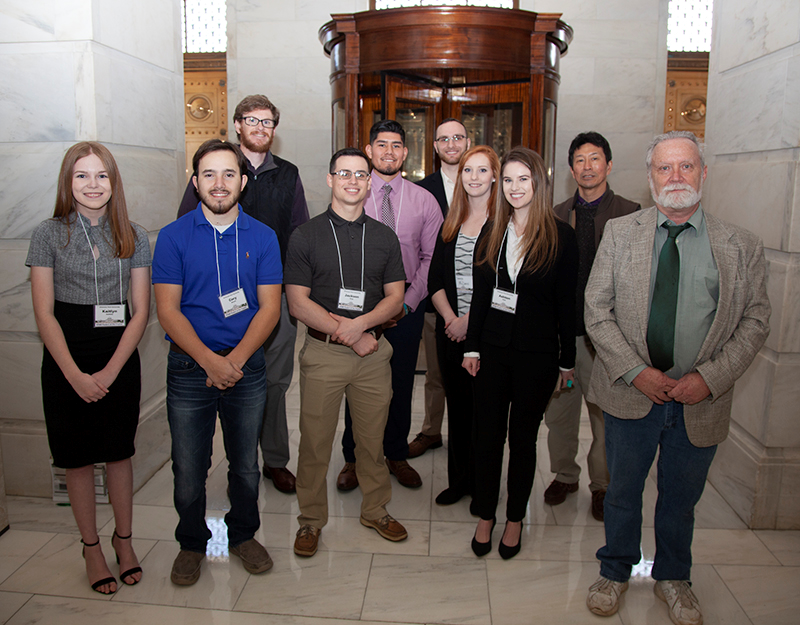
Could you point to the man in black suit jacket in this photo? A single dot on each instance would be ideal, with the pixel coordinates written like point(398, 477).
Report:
point(450, 144)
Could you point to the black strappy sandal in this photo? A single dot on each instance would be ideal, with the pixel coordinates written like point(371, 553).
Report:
point(105, 580)
point(129, 572)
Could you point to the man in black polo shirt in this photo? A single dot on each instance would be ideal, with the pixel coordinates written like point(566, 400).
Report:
point(344, 279)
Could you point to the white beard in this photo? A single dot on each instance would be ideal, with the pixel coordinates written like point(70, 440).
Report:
point(687, 198)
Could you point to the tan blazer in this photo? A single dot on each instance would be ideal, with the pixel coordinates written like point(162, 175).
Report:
point(616, 312)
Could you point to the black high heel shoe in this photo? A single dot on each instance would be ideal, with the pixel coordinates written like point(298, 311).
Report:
point(481, 549)
point(131, 571)
point(507, 552)
point(105, 580)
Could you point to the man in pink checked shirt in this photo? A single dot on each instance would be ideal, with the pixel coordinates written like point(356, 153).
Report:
point(414, 215)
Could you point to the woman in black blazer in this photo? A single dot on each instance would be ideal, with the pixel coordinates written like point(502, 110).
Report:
point(521, 332)
point(450, 286)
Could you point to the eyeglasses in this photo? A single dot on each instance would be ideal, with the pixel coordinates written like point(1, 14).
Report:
point(446, 140)
point(254, 121)
point(346, 174)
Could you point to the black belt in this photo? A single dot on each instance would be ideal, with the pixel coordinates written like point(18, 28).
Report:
point(321, 336)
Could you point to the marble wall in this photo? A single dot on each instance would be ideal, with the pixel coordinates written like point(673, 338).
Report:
point(613, 80)
point(753, 148)
point(85, 70)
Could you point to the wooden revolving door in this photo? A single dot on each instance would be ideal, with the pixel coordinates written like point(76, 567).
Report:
point(495, 69)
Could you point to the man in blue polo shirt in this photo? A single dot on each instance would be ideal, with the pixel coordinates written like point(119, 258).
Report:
point(217, 276)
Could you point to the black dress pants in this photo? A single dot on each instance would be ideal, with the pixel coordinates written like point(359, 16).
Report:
point(460, 408)
point(524, 381)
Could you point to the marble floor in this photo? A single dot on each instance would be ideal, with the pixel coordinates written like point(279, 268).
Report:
point(740, 576)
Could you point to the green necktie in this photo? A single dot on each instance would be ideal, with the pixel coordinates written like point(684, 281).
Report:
point(661, 325)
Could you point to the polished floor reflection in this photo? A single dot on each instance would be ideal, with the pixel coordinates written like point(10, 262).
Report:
point(740, 576)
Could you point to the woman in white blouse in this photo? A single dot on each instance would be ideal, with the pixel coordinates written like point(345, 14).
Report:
point(521, 332)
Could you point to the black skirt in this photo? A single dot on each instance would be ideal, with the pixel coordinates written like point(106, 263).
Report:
point(82, 433)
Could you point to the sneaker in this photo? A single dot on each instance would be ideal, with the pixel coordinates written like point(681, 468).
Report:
point(387, 527)
point(186, 568)
point(254, 557)
point(557, 492)
point(307, 540)
point(683, 606)
point(423, 443)
point(604, 596)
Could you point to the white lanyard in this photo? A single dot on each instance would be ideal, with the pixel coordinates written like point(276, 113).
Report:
point(502, 300)
point(399, 208)
point(236, 301)
point(91, 249)
point(216, 252)
point(350, 299)
point(339, 253)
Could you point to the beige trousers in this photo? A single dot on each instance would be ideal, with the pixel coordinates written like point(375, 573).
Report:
point(327, 372)
point(563, 419)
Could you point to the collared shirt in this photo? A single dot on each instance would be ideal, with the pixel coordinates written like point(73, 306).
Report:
point(698, 292)
point(418, 219)
point(449, 187)
point(313, 260)
point(185, 254)
point(514, 256)
point(63, 246)
point(274, 195)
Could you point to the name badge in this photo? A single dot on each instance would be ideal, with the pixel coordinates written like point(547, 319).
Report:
point(109, 316)
point(351, 299)
point(233, 303)
point(464, 283)
point(504, 300)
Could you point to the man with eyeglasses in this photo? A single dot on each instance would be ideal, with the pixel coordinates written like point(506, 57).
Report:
point(274, 195)
point(414, 216)
point(450, 144)
point(344, 279)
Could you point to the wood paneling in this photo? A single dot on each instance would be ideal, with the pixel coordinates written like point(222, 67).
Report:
point(442, 59)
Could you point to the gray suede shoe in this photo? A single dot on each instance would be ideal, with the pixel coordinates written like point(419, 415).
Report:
point(186, 568)
point(254, 557)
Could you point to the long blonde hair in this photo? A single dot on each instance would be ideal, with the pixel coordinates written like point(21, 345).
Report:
point(116, 212)
point(540, 240)
point(459, 208)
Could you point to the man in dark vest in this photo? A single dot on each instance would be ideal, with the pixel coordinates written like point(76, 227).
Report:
point(593, 204)
point(274, 195)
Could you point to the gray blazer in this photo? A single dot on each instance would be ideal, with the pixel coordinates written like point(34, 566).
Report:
point(616, 312)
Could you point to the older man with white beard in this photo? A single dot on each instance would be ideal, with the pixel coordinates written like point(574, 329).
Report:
point(676, 306)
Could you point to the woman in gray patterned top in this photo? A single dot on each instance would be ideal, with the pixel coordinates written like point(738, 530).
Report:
point(450, 286)
point(83, 263)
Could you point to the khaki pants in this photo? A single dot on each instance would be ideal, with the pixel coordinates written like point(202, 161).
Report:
point(328, 371)
point(434, 388)
point(563, 419)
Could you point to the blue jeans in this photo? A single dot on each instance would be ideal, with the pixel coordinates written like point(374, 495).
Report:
point(192, 409)
point(631, 446)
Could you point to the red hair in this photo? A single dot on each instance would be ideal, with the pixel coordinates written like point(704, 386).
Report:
point(459, 208)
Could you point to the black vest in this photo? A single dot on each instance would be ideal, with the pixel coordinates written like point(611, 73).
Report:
point(269, 196)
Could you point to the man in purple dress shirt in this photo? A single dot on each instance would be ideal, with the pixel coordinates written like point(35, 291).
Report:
point(414, 214)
